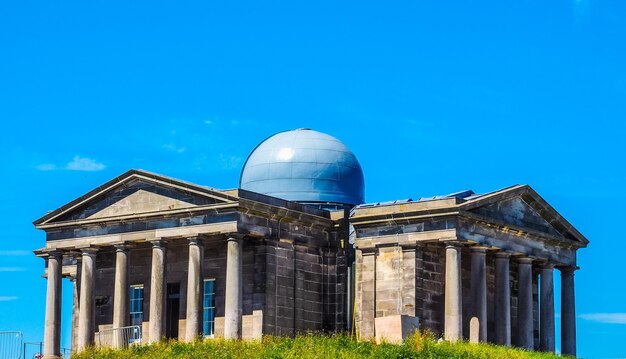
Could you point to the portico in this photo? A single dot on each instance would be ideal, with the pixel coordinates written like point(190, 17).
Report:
point(221, 248)
point(466, 245)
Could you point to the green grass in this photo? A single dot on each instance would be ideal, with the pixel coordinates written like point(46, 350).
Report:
point(312, 346)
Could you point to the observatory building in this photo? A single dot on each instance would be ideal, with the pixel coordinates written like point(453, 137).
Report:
point(296, 248)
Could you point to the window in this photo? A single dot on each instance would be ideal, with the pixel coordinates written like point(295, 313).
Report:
point(136, 304)
point(208, 306)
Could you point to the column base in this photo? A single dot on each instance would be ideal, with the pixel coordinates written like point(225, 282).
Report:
point(51, 357)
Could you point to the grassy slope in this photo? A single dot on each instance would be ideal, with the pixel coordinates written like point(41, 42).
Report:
point(314, 347)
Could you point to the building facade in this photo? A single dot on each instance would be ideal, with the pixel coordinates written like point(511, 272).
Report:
point(295, 249)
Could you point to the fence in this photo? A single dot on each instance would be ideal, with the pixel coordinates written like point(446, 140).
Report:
point(11, 345)
point(119, 337)
point(34, 350)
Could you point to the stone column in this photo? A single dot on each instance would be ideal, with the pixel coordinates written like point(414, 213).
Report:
point(234, 292)
point(120, 294)
point(453, 298)
point(546, 309)
point(76, 304)
point(194, 290)
point(157, 291)
point(502, 303)
point(479, 293)
point(52, 328)
point(568, 312)
point(86, 314)
point(525, 320)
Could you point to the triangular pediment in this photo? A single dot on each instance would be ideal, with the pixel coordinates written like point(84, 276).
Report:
point(136, 193)
point(522, 208)
point(516, 212)
point(141, 201)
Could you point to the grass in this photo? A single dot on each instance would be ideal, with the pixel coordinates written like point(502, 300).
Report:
point(313, 346)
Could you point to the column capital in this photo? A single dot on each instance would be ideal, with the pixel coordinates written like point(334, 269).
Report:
point(502, 255)
point(546, 265)
point(89, 251)
point(235, 236)
point(123, 247)
point(195, 241)
point(454, 243)
point(568, 269)
point(479, 249)
point(49, 253)
point(158, 243)
point(524, 260)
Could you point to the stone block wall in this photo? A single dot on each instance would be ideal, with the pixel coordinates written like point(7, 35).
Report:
point(430, 286)
point(334, 290)
point(304, 289)
point(393, 280)
point(397, 280)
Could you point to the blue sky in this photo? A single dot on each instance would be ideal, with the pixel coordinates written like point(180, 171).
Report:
point(432, 96)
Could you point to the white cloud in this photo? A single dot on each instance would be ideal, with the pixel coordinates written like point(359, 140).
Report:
point(78, 163)
point(46, 167)
point(8, 298)
point(611, 318)
point(84, 164)
point(172, 147)
point(230, 162)
point(14, 253)
point(11, 269)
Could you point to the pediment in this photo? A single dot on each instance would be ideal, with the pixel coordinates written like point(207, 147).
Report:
point(136, 193)
point(140, 202)
point(516, 212)
point(522, 208)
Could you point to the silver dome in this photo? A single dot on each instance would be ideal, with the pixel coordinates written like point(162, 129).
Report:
point(305, 166)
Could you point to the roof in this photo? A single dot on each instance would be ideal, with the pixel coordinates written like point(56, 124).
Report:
point(462, 195)
point(303, 165)
point(125, 177)
point(463, 202)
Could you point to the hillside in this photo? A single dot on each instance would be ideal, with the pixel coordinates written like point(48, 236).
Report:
point(313, 347)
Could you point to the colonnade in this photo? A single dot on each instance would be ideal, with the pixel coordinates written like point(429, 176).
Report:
point(502, 300)
point(85, 282)
point(453, 315)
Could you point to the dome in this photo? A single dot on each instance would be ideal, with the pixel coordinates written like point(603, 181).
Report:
point(305, 166)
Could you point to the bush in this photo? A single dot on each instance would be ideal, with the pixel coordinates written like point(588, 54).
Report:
point(313, 346)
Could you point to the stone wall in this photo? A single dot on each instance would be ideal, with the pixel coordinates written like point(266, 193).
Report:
point(396, 280)
point(304, 289)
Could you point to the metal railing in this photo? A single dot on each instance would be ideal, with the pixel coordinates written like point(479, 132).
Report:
point(11, 345)
point(34, 350)
point(119, 337)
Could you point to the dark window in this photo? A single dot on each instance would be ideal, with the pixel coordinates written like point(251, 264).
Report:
point(208, 319)
point(136, 304)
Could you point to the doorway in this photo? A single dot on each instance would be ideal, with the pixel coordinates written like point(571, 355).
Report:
point(172, 310)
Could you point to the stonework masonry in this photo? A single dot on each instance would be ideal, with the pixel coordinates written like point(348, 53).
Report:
point(284, 268)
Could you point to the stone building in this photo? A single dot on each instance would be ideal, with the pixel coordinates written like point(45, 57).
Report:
point(296, 249)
